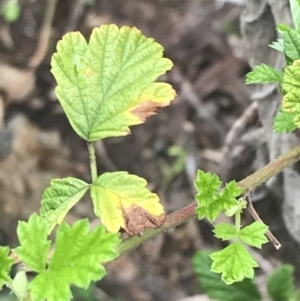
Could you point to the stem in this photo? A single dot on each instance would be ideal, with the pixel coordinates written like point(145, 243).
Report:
point(93, 162)
point(183, 215)
point(173, 220)
point(270, 170)
point(238, 221)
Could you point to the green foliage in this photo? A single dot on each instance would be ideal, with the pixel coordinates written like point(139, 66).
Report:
point(106, 85)
point(278, 45)
point(11, 10)
point(34, 244)
point(212, 284)
point(288, 117)
point(281, 284)
point(76, 260)
point(263, 74)
point(283, 122)
point(5, 265)
point(295, 10)
point(254, 234)
point(234, 262)
point(59, 198)
point(210, 201)
point(19, 285)
point(292, 44)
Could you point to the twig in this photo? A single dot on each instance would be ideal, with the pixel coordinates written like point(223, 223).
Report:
point(256, 217)
point(183, 215)
point(43, 41)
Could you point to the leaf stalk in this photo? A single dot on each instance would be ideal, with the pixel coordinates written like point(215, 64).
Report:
point(93, 161)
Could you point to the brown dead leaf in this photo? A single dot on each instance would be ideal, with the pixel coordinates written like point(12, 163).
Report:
point(145, 110)
point(137, 220)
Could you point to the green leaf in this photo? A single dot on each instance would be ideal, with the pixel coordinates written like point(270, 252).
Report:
point(76, 260)
point(234, 262)
point(6, 263)
point(282, 28)
point(225, 231)
point(254, 234)
point(208, 197)
point(278, 45)
point(59, 198)
point(210, 201)
point(212, 284)
point(122, 200)
point(281, 284)
point(34, 244)
point(295, 10)
point(19, 285)
point(283, 122)
point(292, 44)
point(229, 195)
point(263, 74)
point(291, 84)
point(107, 85)
point(291, 78)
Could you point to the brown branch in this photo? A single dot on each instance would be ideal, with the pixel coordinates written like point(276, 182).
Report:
point(183, 215)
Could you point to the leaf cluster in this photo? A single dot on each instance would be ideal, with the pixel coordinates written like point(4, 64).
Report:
point(234, 262)
point(288, 78)
point(105, 86)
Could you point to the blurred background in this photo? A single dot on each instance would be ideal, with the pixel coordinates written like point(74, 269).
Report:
point(212, 125)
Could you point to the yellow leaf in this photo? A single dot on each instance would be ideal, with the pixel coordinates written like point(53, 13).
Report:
point(121, 200)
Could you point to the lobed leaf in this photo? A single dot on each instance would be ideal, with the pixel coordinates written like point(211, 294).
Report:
point(281, 286)
point(225, 231)
point(212, 284)
point(278, 45)
point(76, 260)
point(234, 262)
point(229, 194)
point(295, 10)
point(121, 200)
point(34, 246)
point(284, 122)
point(59, 198)
point(254, 234)
point(263, 74)
point(107, 85)
point(291, 84)
point(6, 263)
point(210, 201)
point(208, 197)
point(292, 44)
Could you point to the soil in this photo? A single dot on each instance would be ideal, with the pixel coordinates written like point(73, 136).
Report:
point(203, 40)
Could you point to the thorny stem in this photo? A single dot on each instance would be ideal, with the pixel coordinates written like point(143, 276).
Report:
point(93, 162)
point(183, 215)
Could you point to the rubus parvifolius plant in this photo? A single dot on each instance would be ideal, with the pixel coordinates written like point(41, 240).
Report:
point(104, 86)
